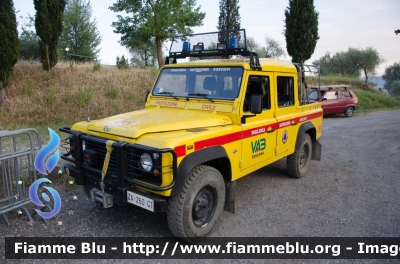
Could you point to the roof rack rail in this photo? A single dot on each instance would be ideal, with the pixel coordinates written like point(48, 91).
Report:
point(213, 44)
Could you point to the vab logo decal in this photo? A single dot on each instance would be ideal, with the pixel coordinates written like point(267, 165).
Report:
point(35, 199)
point(258, 145)
point(45, 169)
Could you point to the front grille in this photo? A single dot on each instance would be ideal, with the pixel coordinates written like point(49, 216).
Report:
point(102, 151)
point(132, 165)
point(125, 165)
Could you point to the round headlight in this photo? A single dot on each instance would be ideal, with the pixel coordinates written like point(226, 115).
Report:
point(146, 162)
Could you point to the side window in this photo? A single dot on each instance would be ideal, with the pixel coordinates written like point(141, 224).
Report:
point(331, 95)
point(285, 89)
point(345, 94)
point(258, 85)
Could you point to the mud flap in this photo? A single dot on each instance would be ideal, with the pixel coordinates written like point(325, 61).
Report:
point(316, 150)
point(230, 192)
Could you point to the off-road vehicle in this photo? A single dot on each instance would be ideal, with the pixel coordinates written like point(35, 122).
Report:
point(206, 123)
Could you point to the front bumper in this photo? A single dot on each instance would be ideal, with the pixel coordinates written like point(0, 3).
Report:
point(122, 177)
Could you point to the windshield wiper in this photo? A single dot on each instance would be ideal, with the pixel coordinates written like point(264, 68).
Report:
point(201, 95)
point(170, 94)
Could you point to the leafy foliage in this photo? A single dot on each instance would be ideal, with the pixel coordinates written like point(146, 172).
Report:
point(392, 79)
point(272, 49)
point(156, 20)
point(301, 29)
point(350, 62)
point(48, 24)
point(122, 63)
point(28, 40)
point(80, 32)
point(229, 19)
point(144, 55)
point(9, 43)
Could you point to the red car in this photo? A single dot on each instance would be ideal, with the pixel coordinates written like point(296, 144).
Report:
point(336, 99)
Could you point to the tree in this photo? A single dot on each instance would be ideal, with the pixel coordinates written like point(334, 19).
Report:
point(155, 19)
point(369, 61)
point(229, 19)
point(144, 55)
point(392, 79)
point(350, 62)
point(301, 29)
point(80, 32)
point(9, 44)
point(271, 50)
point(28, 40)
point(48, 24)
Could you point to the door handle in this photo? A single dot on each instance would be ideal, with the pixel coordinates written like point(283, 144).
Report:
point(270, 131)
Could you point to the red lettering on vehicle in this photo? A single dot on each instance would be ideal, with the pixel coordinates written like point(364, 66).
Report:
point(165, 103)
point(208, 107)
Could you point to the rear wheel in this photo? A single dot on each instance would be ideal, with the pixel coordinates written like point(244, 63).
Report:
point(298, 162)
point(349, 111)
point(194, 211)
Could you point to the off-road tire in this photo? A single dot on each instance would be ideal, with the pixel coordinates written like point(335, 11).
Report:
point(193, 212)
point(298, 162)
point(349, 111)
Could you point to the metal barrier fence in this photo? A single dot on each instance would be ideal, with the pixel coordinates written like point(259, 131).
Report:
point(17, 172)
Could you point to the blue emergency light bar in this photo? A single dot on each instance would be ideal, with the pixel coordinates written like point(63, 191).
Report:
point(213, 44)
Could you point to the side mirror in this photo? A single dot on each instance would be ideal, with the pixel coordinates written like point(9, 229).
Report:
point(256, 101)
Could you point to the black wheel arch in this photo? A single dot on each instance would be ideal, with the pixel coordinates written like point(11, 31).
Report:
point(309, 128)
point(213, 156)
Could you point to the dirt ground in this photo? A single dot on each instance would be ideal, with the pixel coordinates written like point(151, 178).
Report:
point(352, 192)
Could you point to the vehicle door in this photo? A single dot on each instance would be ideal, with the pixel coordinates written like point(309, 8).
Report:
point(259, 131)
point(285, 111)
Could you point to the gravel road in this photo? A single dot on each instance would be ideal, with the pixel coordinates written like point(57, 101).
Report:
point(352, 192)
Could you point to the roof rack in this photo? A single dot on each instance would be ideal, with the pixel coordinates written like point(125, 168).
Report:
point(213, 44)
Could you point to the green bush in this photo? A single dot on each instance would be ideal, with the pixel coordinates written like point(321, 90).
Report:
point(112, 93)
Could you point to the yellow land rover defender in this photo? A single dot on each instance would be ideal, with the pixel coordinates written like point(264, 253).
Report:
point(206, 123)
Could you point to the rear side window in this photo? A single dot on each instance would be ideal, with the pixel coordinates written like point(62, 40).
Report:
point(285, 89)
point(345, 94)
point(331, 95)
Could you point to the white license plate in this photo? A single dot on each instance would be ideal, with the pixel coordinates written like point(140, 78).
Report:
point(141, 201)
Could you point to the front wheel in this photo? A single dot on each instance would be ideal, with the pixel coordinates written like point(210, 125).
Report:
point(194, 211)
point(298, 162)
point(349, 111)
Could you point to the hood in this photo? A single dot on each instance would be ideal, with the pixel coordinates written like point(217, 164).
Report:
point(135, 124)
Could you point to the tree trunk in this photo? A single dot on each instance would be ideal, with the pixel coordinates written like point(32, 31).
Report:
point(366, 76)
point(48, 57)
point(2, 94)
point(159, 52)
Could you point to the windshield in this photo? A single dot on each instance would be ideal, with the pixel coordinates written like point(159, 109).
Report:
point(209, 83)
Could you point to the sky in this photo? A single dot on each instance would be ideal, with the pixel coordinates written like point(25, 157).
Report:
point(342, 24)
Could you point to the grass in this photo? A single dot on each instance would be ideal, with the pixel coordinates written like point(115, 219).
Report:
point(70, 93)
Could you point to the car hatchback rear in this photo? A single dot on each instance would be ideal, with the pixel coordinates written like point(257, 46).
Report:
point(336, 101)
